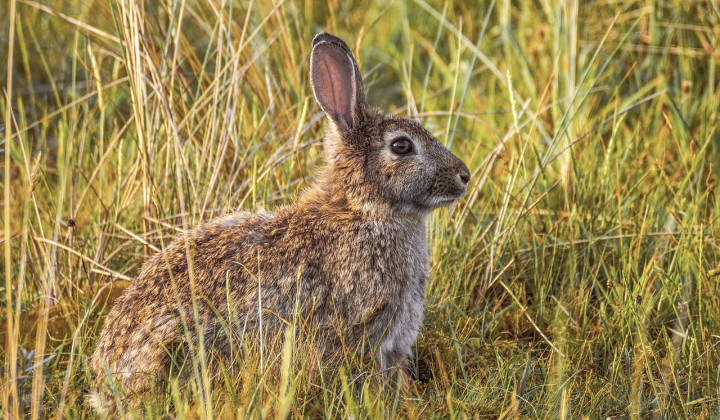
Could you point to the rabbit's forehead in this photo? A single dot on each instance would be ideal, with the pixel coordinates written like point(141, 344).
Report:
point(402, 127)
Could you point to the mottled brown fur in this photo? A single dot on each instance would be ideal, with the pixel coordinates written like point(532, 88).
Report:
point(350, 255)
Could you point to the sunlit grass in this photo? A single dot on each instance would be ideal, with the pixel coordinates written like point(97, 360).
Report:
point(572, 280)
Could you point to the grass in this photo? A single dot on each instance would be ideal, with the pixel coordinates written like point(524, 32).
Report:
point(574, 279)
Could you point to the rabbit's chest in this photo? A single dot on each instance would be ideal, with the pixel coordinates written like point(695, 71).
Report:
point(404, 324)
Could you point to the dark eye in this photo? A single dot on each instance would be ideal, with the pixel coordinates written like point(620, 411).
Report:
point(402, 146)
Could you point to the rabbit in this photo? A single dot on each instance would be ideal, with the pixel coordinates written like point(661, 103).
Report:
point(350, 253)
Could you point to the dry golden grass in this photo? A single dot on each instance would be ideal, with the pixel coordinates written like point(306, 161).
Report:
point(572, 280)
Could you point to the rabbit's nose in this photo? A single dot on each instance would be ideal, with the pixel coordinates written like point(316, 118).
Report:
point(463, 174)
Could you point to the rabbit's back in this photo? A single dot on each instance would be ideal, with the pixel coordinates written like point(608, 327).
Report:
point(146, 316)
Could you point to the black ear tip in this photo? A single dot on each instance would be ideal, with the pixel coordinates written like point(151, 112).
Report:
point(319, 38)
point(332, 39)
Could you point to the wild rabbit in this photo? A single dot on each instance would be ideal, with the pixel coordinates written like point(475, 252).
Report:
point(350, 254)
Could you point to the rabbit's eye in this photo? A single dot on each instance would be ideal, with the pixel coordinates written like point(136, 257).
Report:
point(402, 146)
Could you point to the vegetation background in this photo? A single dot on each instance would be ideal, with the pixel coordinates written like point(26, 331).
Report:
point(576, 278)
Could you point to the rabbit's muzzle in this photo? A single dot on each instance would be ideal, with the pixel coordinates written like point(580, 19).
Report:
point(450, 184)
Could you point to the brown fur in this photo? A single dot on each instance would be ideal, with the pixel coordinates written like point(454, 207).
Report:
point(350, 254)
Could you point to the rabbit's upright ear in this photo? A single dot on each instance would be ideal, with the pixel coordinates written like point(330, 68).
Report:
point(336, 81)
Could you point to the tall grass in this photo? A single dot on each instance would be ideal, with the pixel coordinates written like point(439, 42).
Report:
point(574, 279)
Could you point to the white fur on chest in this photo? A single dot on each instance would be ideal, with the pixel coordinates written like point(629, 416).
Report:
point(403, 329)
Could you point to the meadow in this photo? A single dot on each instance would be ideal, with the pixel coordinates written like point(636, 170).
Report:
point(578, 277)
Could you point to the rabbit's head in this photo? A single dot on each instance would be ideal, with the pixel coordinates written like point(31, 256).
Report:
point(377, 163)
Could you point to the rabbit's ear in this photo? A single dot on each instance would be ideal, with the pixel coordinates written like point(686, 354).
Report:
point(336, 81)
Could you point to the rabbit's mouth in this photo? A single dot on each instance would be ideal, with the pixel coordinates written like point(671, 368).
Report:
point(436, 202)
point(448, 187)
point(447, 194)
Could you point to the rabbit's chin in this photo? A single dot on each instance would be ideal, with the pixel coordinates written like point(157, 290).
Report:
point(437, 202)
point(425, 207)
